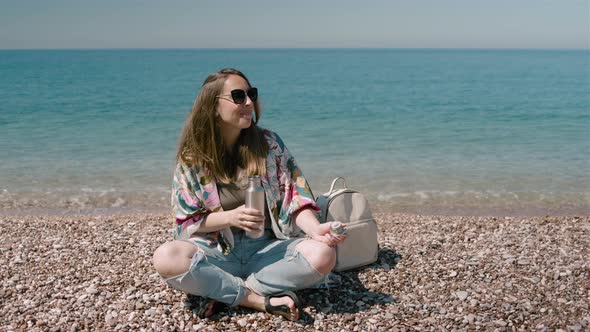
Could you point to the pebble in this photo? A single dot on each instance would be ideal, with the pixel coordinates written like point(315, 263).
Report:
point(523, 262)
point(470, 318)
point(110, 320)
point(91, 290)
point(348, 317)
point(462, 295)
point(243, 322)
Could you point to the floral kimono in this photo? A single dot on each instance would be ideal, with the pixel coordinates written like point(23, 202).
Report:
point(194, 196)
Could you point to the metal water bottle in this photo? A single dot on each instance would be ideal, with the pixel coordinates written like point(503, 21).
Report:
point(255, 200)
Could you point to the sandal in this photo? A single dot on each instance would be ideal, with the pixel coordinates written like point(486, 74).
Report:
point(283, 310)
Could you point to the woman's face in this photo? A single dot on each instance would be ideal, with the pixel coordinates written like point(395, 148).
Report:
point(234, 116)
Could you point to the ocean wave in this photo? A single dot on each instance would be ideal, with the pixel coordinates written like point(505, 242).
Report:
point(485, 202)
point(87, 200)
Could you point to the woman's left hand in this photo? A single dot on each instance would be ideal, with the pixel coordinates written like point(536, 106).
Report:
point(322, 234)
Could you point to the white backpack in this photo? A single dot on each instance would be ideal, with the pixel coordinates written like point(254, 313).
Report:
point(352, 209)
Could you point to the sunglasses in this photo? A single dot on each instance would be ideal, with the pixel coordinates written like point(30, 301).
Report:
point(238, 96)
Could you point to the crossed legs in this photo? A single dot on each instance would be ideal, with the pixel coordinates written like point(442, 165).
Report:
point(173, 259)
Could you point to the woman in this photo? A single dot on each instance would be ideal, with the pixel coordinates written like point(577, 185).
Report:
point(212, 255)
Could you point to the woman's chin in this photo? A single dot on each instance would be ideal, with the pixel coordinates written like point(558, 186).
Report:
point(245, 123)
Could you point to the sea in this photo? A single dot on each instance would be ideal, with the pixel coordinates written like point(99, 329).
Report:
point(500, 132)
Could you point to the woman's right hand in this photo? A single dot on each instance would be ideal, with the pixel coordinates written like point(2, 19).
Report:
point(246, 218)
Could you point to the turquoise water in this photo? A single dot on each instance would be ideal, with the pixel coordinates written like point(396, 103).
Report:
point(422, 131)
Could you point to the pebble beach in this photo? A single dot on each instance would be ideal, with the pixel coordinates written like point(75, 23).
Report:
point(434, 273)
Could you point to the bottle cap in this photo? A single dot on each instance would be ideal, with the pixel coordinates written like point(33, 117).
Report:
point(336, 228)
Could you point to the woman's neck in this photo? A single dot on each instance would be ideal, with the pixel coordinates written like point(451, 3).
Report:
point(230, 137)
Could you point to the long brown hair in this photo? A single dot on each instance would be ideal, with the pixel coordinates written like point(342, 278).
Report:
point(201, 142)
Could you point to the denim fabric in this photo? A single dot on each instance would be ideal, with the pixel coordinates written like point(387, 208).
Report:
point(269, 266)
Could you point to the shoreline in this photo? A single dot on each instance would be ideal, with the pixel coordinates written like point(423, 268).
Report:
point(94, 272)
point(444, 203)
point(450, 210)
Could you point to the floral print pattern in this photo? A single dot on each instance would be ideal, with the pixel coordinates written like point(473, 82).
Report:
point(194, 196)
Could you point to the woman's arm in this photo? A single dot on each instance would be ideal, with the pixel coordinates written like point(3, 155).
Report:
point(298, 204)
point(241, 217)
point(307, 221)
point(193, 212)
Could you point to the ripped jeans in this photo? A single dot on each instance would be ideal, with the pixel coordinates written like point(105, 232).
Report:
point(265, 265)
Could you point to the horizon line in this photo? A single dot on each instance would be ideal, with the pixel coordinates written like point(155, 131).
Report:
point(293, 48)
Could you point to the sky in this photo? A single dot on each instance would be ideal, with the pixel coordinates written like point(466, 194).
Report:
point(59, 24)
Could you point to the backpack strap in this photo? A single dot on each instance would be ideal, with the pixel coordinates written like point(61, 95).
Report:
point(334, 183)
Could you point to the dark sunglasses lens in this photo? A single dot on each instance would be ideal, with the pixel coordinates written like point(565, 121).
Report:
point(253, 94)
point(239, 96)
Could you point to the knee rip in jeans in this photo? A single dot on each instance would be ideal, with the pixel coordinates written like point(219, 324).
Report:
point(189, 281)
point(297, 254)
point(324, 276)
point(198, 256)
